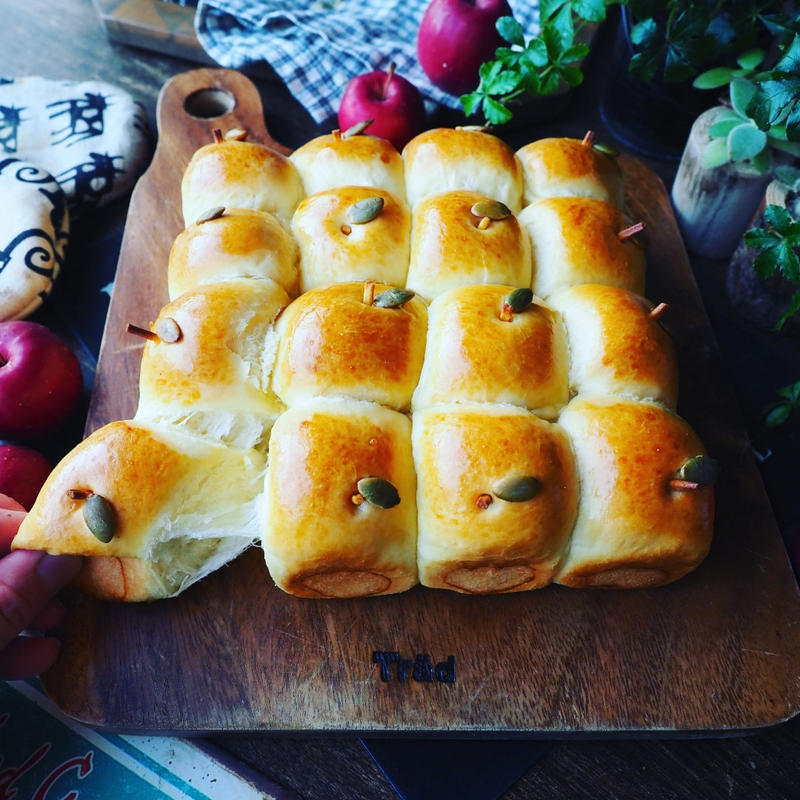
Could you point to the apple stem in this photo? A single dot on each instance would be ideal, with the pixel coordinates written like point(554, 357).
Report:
point(142, 332)
point(632, 230)
point(218, 137)
point(389, 77)
point(658, 311)
point(588, 139)
point(369, 293)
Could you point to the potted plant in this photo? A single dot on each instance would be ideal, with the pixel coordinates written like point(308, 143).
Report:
point(649, 103)
point(543, 66)
point(733, 149)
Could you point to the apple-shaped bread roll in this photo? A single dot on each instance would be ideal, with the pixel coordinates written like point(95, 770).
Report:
point(208, 363)
point(365, 341)
point(616, 344)
point(340, 511)
point(560, 167)
point(338, 159)
point(494, 344)
point(496, 497)
point(154, 509)
point(635, 526)
point(239, 174)
point(450, 159)
point(576, 240)
point(461, 238)
point(352, 233)
point(233, 243)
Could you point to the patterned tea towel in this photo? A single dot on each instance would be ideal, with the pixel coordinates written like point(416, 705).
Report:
point(91, 136)
point(317, 46)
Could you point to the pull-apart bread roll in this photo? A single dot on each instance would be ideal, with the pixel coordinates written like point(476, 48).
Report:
point(365, 341)
point(636, 526)
point(559, 167)
point(233, 243)
point(352, 233)
point(209, 362)
point(461, 238)
point(239, 174)
point(497, 494)
point(154, 510)
point(481, 349)
point(338, 159)
point(577, 240)
point(449, 159)
point(617, 345)
point(340, 515)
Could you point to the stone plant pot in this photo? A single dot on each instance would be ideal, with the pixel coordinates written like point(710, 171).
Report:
point(762, 301)
point(714, 206)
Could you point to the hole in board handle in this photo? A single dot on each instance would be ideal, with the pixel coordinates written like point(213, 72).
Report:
point(209, 103)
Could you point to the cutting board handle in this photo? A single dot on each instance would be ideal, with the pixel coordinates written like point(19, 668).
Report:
point(191, 105)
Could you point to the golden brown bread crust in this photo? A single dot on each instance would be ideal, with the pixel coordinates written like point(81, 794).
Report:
point(574, 240)
point(317, 541)
point(632, 529)
point(474, 355)
point(561, 167)
point(333, 343)
point(237, 174)
point(222, 362)
point(329, 161)
point(452, 159)
point(615, 346)
point(333, 250)
point(461, 453)
point(450, 248)
point(183, 507)
point(242, 243)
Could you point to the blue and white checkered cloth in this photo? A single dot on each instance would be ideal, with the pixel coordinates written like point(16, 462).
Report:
point(317, 46)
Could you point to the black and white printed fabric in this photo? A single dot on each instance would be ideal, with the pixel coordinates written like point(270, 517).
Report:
point(317, 46)
point(34, 229)
point(91, 136)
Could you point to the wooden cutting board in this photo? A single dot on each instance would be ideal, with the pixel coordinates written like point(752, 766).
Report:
point(718, 651)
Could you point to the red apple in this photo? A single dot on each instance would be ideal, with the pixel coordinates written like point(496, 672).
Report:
point(22, 473)
point(393, 104)
point(40, 380)
point(456, 37)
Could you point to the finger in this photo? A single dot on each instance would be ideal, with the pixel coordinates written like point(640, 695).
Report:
point(27, 656)
point(50, 616)
point(10, 520)
point(28, 580)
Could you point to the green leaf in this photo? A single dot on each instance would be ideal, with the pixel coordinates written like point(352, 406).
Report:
point(503, 83)
point(511, 30)
point(790, 392)
point(549, 7)
point(713, 78)
point(590, 10)
point(563, 24)
point(645, 33)
point(788, 262)
point(759, 238)
point(773, 100)
point(572, 76)
point(777, 217)
point(536, 53)
point(495, 111)
point(790, 61)
point(575, 53)
point(723, 127)
point(766, 262)
point(793, 122)
point(762, 162)
point(715, 154)
point(745, 141)
point(787, 175)
point(471, 102)
point(489, 69)
point(550, 82)
point(751, 59)
point(741, 93)
point(777, 415)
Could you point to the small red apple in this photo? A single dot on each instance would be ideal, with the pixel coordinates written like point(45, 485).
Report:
point(456, 37)
point(394, 105)
point(22, 473)
point(40, 380)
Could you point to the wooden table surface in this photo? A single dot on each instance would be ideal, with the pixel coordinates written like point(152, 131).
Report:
point(67, 41)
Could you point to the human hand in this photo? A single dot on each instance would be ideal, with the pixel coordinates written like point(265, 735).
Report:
point(29, 581)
